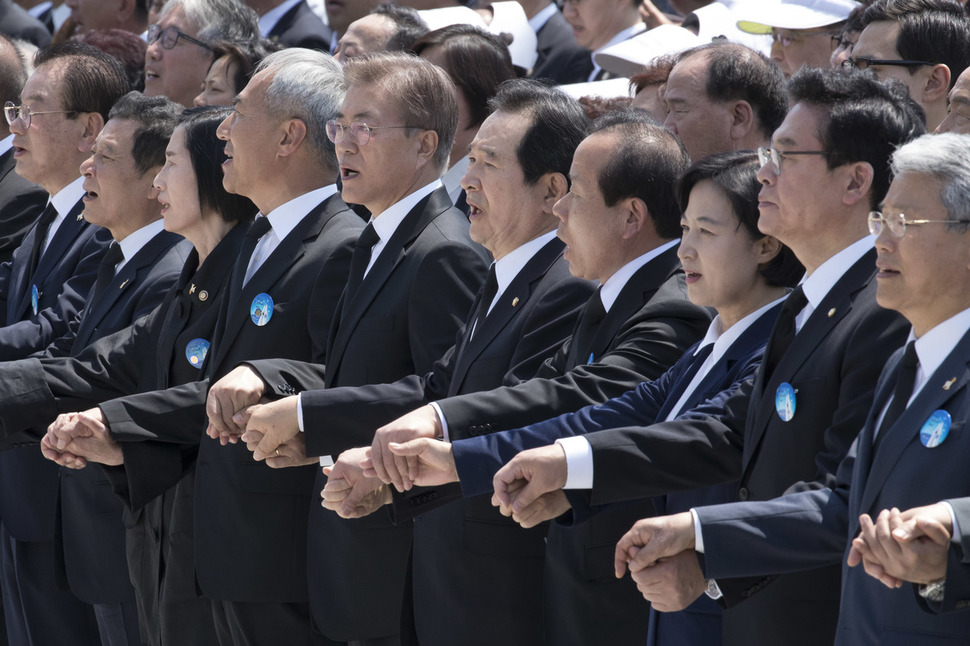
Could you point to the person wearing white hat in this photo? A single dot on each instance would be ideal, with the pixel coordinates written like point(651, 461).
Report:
point(598, 24)
point(805, 32)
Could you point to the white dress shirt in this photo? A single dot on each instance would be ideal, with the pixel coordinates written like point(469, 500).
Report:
point(134, 241)
point(63, 202)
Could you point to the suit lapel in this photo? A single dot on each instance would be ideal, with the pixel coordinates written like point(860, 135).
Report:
point(70, 228)
point(939, 389)
point(419, 217)
point(512, 301)
point(834, 307)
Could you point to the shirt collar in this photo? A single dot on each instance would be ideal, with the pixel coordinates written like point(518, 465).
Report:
point(614, 284)
point(539, 20)
point(269, 19)
point(67, 197)
point(724, 339)
point(285, 217)
point(936, 345)
point(509, 265)
point(38, 9)
point(452, 178)
point(387, 222)
point(823, 279)
point(6, 144)
point(134, 241)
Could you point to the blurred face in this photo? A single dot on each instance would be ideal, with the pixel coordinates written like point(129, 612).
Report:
point(47, 152)
point(340, 13)
point(793, 204)
point(504, 211)
point(466, 128)
point(176, 73)
point(251, 136)
point(651, 99)
point(589, 228)
point(878, 40)
point(178, 190)
point(704, 126)
point(112, 184)
point(958, 107)
point(805, 47)
point(218, 87)
point(719, 256)
point(844, 49)
point(595, 22)
point(380, 172)
point(96, 14)
point(369, 34)
point(922, 275)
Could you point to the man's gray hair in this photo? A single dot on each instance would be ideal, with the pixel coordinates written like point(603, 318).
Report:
point(230, 20)
point(947, 158)
point(306, 85)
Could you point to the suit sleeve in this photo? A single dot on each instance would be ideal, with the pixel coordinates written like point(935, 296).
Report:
point(174, 415)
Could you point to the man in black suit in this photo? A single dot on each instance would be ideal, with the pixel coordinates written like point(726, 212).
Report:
point(292, 23)
point(598, 24)
point(526, 311)
point(42, 289)
point(412, 282)
point(794, 423)
point(560, 59)
point(21, 201)
point(910, 451)
point(282, 294)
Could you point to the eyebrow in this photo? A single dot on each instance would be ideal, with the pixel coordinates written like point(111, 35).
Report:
point(784, 141)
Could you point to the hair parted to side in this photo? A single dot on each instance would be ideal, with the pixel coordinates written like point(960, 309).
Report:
point(945, 157)
point(155, 118)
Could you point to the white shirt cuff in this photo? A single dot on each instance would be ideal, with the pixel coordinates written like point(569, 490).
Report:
point(953, 519)
point(579, 462)
point(698, 536)
point(325, 460)
point(444, 422)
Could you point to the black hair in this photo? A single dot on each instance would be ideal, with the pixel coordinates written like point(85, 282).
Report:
point(408, 22)
point(207, 153)
point(735, 173)
point(558, 125)
point(156, 118)
point(13, 71)
point(92, 81)
point(645, 164)
point(862, 119)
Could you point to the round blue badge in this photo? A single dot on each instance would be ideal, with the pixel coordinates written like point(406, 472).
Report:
point(935, 429)
point(785, 401)
point(195, 351)
point(261, 311)
point(34, 298)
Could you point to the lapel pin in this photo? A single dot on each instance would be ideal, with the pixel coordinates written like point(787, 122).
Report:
point(203, 295)
point(935, 429)
point(122, 285)
point(831, 312)
point(80, 216)
point(949, 383)
point(515, 301)
point(192, 289)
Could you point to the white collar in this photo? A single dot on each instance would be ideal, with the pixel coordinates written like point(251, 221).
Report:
point(6, 144)
point(936, 345)
point(285, 217)
point(452, 178)
point(508, 266)
point(823, 279)
point(724, 339)
point(67, 197)
point(614, 284)
point(539, 20)
point(387, 222)
point(134, 241)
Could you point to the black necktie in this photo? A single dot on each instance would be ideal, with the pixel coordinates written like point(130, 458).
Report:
point(106, 272)
point(361, 258)
point(905, 380)
point(462, 203)
point(488, 295)
point(43, 224)
point(589, 322)
point(257, 230)
point(784, 330)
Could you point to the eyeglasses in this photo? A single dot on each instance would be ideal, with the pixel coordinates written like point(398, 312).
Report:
point(360, 132)
point(773, 155)
point(169, 37)
point(864, 63)
point(897, 223)
point(23, 112)
point(788, 38)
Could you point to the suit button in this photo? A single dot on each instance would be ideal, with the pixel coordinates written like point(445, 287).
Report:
point(743, 493)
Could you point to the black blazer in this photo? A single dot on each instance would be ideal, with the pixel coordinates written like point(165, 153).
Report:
point(403, 317)
point(300, 27)
point(560, 59)
point(234, 495)
point(833, 363)
point(21, 203)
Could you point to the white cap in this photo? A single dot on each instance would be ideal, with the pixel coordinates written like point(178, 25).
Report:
point(631, 56)
point(720, 20)
point(447, 16)
point(608, 89)
point(794, 14)
point(510, 18)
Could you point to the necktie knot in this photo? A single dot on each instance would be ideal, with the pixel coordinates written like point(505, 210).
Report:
point(368, 237)
point(259, 228)
point(113, 255)
point(796, 301)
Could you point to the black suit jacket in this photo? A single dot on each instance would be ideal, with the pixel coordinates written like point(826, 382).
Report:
point(15, 22)
point(465, 554)
point(403, 318)
point(560, 59)
point(648, 328)
point(300, 27)
point(64, 276)
point(21, 203)
point(833, 363)
point(234, 495)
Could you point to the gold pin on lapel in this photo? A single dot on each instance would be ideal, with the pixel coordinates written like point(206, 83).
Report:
point(515, 301)
point(192, 289)
point(831, 312)
point(80, 216)
point(949, 383)
point(122, 285)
